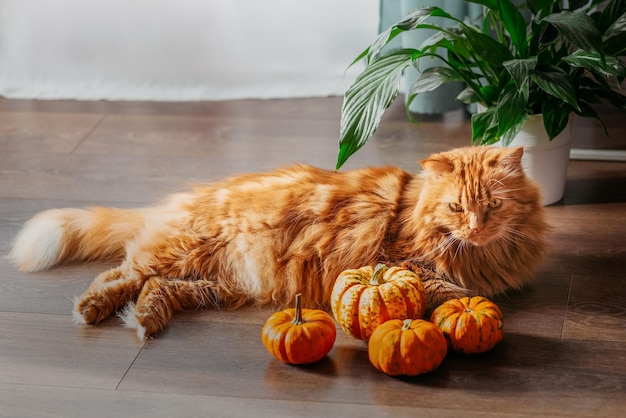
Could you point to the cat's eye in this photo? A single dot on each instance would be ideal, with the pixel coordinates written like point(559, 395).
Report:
point(494, 203)
point(455, 207)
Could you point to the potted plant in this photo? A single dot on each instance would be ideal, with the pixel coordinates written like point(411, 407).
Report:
point(521, 62)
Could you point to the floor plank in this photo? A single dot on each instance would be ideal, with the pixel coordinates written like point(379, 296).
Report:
point(538, 310)
point(587, 239)
point(596, 309)
point(48, 292)
point(563, 353)
point(51, 350)
point(525, 374)
point(22, 132)
point(93, 177)
point(45, 402)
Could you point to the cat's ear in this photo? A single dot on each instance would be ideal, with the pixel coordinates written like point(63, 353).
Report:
point(437, 165)
point(512, 157)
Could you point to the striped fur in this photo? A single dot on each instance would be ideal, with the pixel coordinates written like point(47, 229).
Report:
point(262, 238)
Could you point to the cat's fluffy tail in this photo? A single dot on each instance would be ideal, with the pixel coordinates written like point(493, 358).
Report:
point(64, 235)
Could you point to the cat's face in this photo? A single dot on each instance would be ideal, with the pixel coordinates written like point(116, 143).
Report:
point(478, 195)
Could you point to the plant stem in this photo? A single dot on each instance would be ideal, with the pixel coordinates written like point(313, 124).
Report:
point(470, 83)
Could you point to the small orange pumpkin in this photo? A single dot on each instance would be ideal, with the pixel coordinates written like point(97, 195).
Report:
point(471, 325)
point(364, 298)
point(409, 347)
point(299, 336)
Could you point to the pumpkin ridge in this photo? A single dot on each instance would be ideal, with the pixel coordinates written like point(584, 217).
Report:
point(355, 310)
point(279, 343)
point(408, 341)
point(406, 290)
point(370, 307)
point(471, 325)
point(360, 306)
point(398, 349)
point(383, 312)
point(388, 341)
point(299, 342)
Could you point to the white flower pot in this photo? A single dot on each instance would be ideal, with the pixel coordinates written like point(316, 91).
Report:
point(545, 161)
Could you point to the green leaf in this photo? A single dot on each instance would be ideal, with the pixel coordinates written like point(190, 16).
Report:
point(620, 25)
point(577, 4)
point(461, 59)
point(588, 112)
point(541, 7)
point(409, 22)
point(555, 82)
point(511, 108)
point(611, 14)
point(367, 99)
point(490, 4)
point(607, 65)
point(542, 38)
point(484, 127)
point(593, 4)
point(486, 48)
point(579, 29)
point(462, 65)
point(508, 136)
point(601, 86)
point(616, 44)
point(490, 92)
point(520, 70)
point(468, 95)
point(617, 99)
point(430, 79)
point(515, 25)
point(555, 117)
point(441, 38)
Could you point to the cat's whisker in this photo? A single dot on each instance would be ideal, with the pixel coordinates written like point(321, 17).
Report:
point(497, 181)
point(503, 192)
point(514, 236)
point(514, 229)
point(440, 248)
point(459, 249)
point(502, 188)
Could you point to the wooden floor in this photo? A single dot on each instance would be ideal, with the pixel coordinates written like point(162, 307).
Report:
point(564, 352)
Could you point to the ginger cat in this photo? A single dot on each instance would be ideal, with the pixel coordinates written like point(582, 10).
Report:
point(470, 222)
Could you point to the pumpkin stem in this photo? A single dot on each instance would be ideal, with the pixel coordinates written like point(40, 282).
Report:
point(406, 324)
point(377, 276)
point(297, 319)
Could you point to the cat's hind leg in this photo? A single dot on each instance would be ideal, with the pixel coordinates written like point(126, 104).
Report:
point(160, 298)
point(157, 248)
point(108, 292)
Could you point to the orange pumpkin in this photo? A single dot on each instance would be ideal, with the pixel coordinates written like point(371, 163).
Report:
point(409, 347)
point(471, 325)
point(299, 336)
point(364, 298)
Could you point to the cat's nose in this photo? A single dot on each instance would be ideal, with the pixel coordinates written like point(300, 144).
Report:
point(475, 230)
point(475, 224)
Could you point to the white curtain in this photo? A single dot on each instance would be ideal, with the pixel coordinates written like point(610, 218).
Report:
point(181, 49)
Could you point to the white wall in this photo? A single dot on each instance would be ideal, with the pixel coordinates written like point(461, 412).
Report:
point(181, 49)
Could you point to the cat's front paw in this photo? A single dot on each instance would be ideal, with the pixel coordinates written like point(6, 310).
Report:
point(129, 319)
point(145, 322)
point(88, 310)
